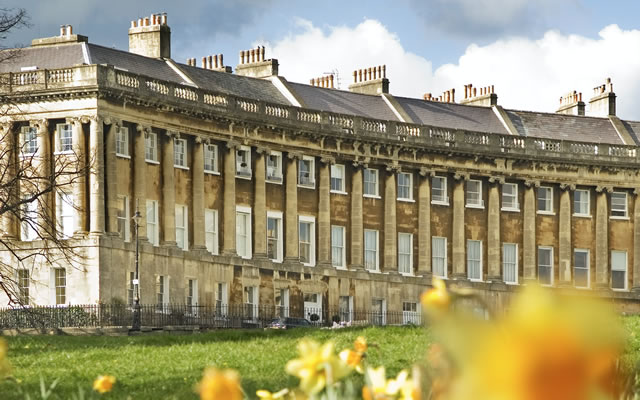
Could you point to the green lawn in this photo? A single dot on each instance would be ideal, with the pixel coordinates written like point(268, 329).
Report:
point(168, 366)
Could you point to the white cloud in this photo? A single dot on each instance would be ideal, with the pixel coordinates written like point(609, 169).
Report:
point(527, 74)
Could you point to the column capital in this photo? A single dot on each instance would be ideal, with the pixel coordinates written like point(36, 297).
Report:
point(143, 129)
point(567, 186)
point(5, 127)
point(459, 175)
point(39, 123)
point(636, 191)
point(426, 172)
point(532, 183)
point(172, 134)
point(74, 120)
point(199, 139)
point(394, 168)
point(231, 144)
point(497, 179)
point(328, 160)
point(604, 189)
point(262, 150)
point(294, 155)
point(105, 119)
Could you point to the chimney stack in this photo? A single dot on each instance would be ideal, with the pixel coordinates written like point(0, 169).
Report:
point(213, 62)
point(323, 81)
point(571, 104)
point(253, 63)
point(372, 80)
point(486, 98)
point(150, 36)
point(603, 102)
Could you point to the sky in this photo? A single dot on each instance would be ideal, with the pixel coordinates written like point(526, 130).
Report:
point(532, 51)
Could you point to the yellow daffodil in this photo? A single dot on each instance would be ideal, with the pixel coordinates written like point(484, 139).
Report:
point(360, 344)
point(352, 359)
point(379, 388)
point(104, 383)
point(267, 395)
point(437, 299)
point(220, 384)
point(317, 367)
point(4, 361)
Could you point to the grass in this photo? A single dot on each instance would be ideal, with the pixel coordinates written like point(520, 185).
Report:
point(169, 366)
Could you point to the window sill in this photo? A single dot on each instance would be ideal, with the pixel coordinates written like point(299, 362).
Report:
point(128, 157)
point(619, 218)
point(406, 200)
point(152, 162)
point(440, 203)
point(274, 179)
point(374, 271)
point(407, 274)
point(476, 206)
point(245, 177)
point(581, 215)
point(440, 277)
point(340, 267)
point(582, 287)
point(475, 280)
point(509, 209)
point(371, 196)
point(620, 290)
point(511, 283)
point(545, 213)
point(338, 192)
point(309, 264)
point(311, 186)
point(61, 153)
point(211, 172)
point(181, 167)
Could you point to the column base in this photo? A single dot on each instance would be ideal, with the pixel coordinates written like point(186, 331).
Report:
point(458, 277)
point(229, 253)
point(169, 244)
point(635, 289)
point(292, 261)
point(356, 267)
point(260, 256)
point(601, 286)
point(97, 233)
point(565, 285)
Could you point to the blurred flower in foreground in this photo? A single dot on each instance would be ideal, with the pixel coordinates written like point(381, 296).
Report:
point(284, 394)
point(104, 383)
point(354, 358)
point(317, 367)
point(220, 384)
point(436, 300)
point(380, 388)
point(360, 344)
point(4, 361)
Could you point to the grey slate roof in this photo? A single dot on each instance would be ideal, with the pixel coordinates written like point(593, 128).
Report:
point(564, 127)
point(46, 57)
point(457, 116)
point(340, 101)
point(633, 127)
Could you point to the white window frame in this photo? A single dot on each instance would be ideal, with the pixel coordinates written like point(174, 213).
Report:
point(67, 148)
point(153, 226)
point(180, 153)
point(342, 262)
point(410, 313)
point(375, 251)
point(59, 298)
point(274, 173)
point(28, 141)
point(222, 297)
point(125, 219)
point(23, 283)
point(339, 187)
point(436, 257)
point(282, 303)
point(65, 215)
point(191, 294)
point(616, 268)
point(371, 172)
point(247, 251)
point(578, 203)
point(210, 159)
point(29, 225)
point(122, 142)
point(409, 187)
point(443, 199)
point(507, 264)
point(211, 230)
point(548, 199)
point(345, 310)
point(510, 200)
point(551, 266)
point(474, 261)
point(307, 179)
point(279, 238)
point(405, 236)
point(305, 219)
point(473, 195)
point(182, 227)
point(151, 148)
point(586, 267)
point(251, 299)
point(162, 297)
point(243, 156)
point(381, 319)
point(620, 213)
point(131, 287)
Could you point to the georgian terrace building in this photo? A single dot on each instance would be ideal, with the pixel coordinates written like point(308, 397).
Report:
point(257, 190)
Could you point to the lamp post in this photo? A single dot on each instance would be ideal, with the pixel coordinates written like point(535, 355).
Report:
point(136, 282)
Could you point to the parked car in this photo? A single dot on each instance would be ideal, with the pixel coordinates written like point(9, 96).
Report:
point(289, 323)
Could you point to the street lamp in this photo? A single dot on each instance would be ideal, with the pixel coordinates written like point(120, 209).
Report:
point(136, 282)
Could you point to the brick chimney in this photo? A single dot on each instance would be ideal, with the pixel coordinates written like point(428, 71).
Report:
point(66, 36)
point(323, 81)
point(214, 62)
point(486, 96)
point(571, 104)
point(372, 80)
point(448, 96)
point(252, 63)
point(150, 36)
point(603, 102)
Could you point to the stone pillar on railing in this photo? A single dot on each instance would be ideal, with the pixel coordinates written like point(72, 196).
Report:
point(291, 242)
point(260, 204)
point(602, 237)
point(458, 239)
point(8, 143)
point(636, 241)
point(390, 221)
point(111, 173)
point(229, 200)
point(357, 227)
point(96, 176)
point(424, 223)
point(324, 212)
point(197, 169)
point(139, 181)
point(168, 190)
point(493, 229)
point(564, 235)
point(78, 187)
point(529, 232)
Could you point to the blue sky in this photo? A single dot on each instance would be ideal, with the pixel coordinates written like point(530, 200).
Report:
point(533, 51)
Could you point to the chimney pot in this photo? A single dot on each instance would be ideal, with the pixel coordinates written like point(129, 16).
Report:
point(204, 62)
point(263, 51)
point(331, 79)
point(355, 76)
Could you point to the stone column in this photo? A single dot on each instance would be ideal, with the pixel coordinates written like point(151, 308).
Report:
point(229, 200)
point(42, 162)
point(529, 232)
point(168, 191)
point(197, 186)
point(260, 204)
point(602, 238)
point(564, 221)
point(493, 230)
point(424, 223)
point(96, 177)
point(324, 212)
point(390, 222)
point(111, 173)
point(8, 163)
point(78, 187)
point(636, 241)
point(291, 209)
point(458, 242)
point(357, 227)
point(139, 181)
